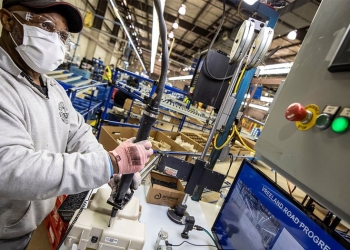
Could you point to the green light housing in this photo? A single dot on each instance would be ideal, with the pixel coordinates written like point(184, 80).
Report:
point(340, 124)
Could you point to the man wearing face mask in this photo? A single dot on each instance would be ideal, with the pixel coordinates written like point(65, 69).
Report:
point(46, 149)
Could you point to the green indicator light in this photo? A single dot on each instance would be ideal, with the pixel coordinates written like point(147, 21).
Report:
point(340, 124)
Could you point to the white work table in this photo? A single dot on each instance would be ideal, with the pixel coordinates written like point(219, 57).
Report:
point(155, 218)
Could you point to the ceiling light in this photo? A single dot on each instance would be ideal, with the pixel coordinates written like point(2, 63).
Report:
point(182, 10)
point(134, 34)
point(128, 16)
point(171, 34)
point(168, 41)
point(159, 59)
point(137, 38)
point(250, 2)
point(292, 35)
point(176, 24)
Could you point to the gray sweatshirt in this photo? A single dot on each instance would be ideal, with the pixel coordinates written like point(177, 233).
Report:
point(46, 150)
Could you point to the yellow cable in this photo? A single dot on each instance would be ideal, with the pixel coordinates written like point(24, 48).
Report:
point(227, 141)
point(239, 10)
point(233, 131)
point(241, 140)
point(239, 80)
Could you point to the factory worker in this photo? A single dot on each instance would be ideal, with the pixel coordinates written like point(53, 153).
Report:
point(46, 149)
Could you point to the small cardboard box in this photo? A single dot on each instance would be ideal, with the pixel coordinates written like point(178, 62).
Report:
point(199, 148)
point(110, 134)
point(159, 136)
point(176, 119)
point(137, 107)
point(198, 138)
point(173, 135)
point(234, 150)
point(250, 143)
point(244, 152)
point(161, 195)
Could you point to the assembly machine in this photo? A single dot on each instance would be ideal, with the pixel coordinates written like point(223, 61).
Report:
point(123, 230)
point(306, 137)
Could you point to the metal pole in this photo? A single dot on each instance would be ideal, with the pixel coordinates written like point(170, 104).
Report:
point(224, 102)
point(185, 199)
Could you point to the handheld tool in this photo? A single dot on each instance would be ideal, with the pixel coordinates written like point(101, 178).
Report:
point(119, 199)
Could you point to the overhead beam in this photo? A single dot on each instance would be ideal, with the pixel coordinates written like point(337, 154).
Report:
point(287, 46)
point(168, 17)
point(183, 43)
point(268, 81)
point(93, 8)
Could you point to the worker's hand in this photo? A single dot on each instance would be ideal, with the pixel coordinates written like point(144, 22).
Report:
point(132, 157)
point(115, 180)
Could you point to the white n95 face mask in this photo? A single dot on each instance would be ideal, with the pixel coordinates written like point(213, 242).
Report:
point(41, 50)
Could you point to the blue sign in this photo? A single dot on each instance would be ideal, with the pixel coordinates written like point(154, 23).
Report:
point(256, 215)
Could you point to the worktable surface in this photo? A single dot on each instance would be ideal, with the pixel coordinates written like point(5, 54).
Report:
point(155, 218)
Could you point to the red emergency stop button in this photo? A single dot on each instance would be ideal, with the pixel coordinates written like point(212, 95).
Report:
point(297, 112)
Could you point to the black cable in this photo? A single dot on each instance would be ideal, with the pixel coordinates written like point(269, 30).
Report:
point(165, 58)
point(211, 45)
point(190, 244)
point(231, 161)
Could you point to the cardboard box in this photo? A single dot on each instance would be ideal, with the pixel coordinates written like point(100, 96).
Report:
point(198, 138)
point(137, 107)
point(173, 135)
point(249, 142)
point(199, 148)
point(161, 195)
point(159, 136)
point(234, 150)
point(110, 134)
point(244, 152)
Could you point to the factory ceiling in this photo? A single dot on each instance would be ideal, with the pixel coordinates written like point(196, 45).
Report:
point(197, 27)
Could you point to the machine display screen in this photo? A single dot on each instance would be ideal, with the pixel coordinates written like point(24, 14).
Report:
point(258, 215)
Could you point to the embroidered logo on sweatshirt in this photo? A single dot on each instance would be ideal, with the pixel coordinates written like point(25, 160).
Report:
point(63, 112)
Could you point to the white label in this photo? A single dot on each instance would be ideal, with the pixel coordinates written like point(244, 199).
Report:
point(166, 118)
point(111, 240)
point(345, 112)
point(331, 110)
point(170, 171)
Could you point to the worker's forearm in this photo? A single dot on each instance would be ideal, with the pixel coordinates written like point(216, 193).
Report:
point(29, 175)
point(114, 163)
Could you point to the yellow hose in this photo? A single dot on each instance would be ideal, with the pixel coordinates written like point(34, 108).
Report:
point(239, 10)
point(227, 141)
point(241, 140)
point(239, 79)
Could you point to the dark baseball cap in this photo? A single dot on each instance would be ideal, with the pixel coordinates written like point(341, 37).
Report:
point(67, 10)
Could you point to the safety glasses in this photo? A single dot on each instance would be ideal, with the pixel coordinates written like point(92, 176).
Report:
point(45, 24)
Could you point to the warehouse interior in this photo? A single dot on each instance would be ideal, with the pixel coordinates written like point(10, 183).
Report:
point(249, 136)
